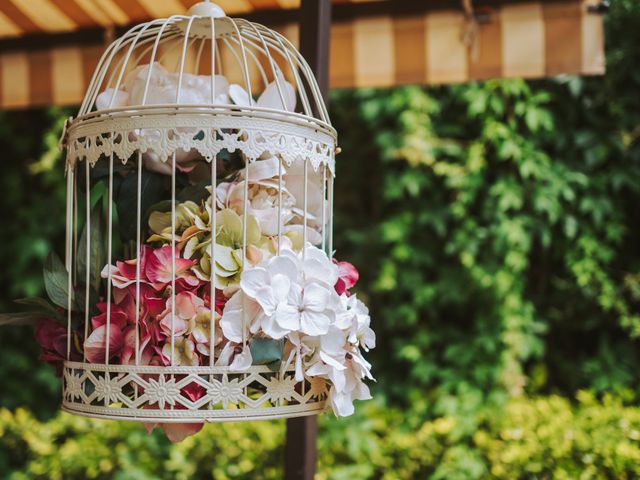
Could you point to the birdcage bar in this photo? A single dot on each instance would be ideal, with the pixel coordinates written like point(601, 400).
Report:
point(69, 255)
point(138, 251)
point(87, 293)
point(109, 255)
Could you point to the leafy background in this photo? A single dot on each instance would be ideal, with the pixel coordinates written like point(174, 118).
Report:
point(495, 228)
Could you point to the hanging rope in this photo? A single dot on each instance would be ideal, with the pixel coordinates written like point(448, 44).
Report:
point(470, 35)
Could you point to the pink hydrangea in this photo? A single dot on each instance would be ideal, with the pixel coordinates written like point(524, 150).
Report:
point(348, 277)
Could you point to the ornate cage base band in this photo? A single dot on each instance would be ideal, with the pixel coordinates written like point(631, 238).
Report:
point(158, 394)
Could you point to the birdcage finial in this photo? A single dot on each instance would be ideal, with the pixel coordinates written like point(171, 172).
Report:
point(206, 9)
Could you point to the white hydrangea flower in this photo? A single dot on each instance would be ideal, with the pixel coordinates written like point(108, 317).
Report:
point(353, 316)
point(270, 97)
point(343, 364)
point(293, 295)
point(153, 84)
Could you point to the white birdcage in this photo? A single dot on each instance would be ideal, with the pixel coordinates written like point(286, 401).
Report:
point(170, 111)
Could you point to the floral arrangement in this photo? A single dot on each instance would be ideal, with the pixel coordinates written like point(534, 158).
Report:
point(276, 299)
point(155, 85)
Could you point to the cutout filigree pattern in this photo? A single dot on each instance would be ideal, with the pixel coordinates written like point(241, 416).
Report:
point(165, 135)
point(166, 394)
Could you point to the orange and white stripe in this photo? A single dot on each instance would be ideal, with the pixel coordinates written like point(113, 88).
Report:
point(528, 40)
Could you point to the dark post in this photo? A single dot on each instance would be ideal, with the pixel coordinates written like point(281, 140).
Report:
point(315, 36)
point(315, 26)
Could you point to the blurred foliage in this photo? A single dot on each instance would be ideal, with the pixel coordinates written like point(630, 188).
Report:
point(495, 227)
point(32, 209)
point(543, 437)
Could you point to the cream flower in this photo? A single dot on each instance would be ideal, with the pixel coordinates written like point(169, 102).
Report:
point(184, 352)
point(270, 98)
point(200, 328)
point(264, 194)
point(161, 88)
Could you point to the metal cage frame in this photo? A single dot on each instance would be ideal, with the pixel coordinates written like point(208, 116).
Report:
point(260, 56)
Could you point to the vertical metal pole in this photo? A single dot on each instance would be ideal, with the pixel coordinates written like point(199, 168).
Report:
point(315, 29)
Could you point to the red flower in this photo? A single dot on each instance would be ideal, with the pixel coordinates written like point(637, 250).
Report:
point(52, 338)
point(176, 432)
point(220, 301)
point(193, 391)
point(348, 277)
point(159, 269)
point(155, 270)
point(95, 347)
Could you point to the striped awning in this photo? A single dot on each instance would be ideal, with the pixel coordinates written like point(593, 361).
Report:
point(374, 44)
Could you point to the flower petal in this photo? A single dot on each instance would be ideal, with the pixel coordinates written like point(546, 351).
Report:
point(253, 279)
point(318, 369)
point(280, 285)
point(159, 265)
point(314, 323)
point(341, 402)
point(315, 298)
point(95, 346)
point(348, 274)
point(273, 95)
point(272, 329)
point(264, 169)
point(287, 317)
point(320, 269)
point(177, 432)
point(112, 98)
point(187, 304)
point(239, 95)
point(242, 361)
point(231, 324)
point(333, 342)
point(284, 265)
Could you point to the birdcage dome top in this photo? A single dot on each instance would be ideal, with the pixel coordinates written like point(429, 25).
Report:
point(246, 86)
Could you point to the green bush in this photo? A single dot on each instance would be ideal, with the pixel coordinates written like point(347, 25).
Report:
point(539, 438)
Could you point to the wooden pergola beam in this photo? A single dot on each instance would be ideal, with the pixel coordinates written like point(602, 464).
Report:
point(340, 12)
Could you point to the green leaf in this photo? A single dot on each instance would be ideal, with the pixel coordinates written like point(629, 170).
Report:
point(19, 318)
point(100, 171)
point(152, 191)
point(266, 351)
point(39, 305)
point(196, 193)
point(56, 280)
point(96, 250)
